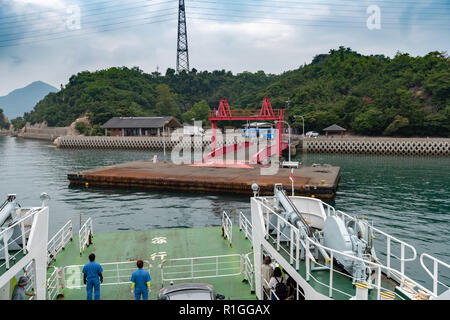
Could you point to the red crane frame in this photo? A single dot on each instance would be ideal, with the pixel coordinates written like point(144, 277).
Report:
point(265, 113)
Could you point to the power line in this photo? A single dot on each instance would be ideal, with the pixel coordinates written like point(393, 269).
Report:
point(84, 23)
point(66, 34)
point(25, 22)
point(84, 5)
point(352, 4)
point(284, 21)
point(363, 16)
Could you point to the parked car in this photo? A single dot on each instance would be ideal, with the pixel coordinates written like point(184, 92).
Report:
point(312, 134)
point(189, 291)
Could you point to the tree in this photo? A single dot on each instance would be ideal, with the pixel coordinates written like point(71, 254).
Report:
point(167, 104)
point(199, 112)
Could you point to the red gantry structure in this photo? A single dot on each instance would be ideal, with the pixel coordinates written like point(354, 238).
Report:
point(265, 113)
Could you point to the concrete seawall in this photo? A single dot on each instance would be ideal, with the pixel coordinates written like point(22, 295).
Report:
point(378, 145)
point(145, 143)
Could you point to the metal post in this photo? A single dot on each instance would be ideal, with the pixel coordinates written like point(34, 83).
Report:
point(278, 233)
point(402, 257)
point(435, 278)
point(330, 294)
point(307, 258)
point(24, 238)
point(379, 283)
point(388, 254)
point(297, 253)
point(5, 246)
point(291, 249)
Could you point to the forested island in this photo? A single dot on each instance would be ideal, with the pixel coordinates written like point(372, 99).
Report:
point(368, 95)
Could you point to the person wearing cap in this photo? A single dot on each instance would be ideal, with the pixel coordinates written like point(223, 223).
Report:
point(19, 292)
point(140, 282)
point(92, 272)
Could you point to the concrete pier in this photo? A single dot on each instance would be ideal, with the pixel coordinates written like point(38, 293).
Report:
point(320, 181)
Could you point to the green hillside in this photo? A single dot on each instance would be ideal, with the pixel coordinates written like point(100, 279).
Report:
point(372, 95)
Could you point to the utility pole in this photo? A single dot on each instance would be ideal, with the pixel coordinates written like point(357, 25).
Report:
point(182, 45)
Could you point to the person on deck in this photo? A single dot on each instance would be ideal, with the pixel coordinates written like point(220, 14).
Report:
point(278, 285)
point(19, 292)
point(140, 282)
point(266, 274)
point(92, 277)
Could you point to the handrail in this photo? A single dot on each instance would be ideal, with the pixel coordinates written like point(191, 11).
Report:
point(59, 241)
point(245, 225)
point(85, 232)
point(23, 236)
point(388, 240)
point(227, 226)
point(75, 278)
point(435, 274)
point(374, 265)
point(190, 270)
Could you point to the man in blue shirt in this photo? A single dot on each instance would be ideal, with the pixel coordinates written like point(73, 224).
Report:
point(140, 282)
point(92, 273)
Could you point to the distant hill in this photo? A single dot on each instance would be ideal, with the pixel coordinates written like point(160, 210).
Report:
point(368, 95)
point(19, 101)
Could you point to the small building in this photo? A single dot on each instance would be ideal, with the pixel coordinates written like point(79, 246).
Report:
point(334, 129)
point(140, 126)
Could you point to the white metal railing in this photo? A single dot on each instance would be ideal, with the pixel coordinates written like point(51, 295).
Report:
point(268, 294)
point(85, 234)
point(249, 271)
point(227, 227)
point(435, 274)
point(59, 241)
point(201, 267)
point(294, 243)
point(10, 250)
point(28, 271)
point(295, 250)
point(54, 283)
point(389, 247)
point(245, 225)
point(114, 273)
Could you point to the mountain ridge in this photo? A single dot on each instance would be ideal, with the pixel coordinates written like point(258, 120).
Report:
point(22, 100)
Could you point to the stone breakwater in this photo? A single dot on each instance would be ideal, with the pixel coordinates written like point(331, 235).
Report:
point(144, 143)
point(363, 145)
point(378, 145)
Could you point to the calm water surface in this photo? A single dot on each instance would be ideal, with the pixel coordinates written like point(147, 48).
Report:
point(407, 197)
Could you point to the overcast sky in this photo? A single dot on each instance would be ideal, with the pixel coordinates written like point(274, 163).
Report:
point(50, 40)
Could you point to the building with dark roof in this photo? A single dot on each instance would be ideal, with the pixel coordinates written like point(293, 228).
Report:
point(140, 126)
point(334, 129)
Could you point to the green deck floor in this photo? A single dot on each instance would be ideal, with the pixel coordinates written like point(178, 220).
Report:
point(181, 243)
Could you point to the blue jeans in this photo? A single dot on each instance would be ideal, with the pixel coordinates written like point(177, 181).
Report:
point(139, 292)
point(93, 284)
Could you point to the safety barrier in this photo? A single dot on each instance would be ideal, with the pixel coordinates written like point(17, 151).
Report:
point(114, 273)
point(227, 227)
point(389, 239)
point(59, 241)
point(379, 145)
point(202, 267)
point(85, 235)
point(28, 272)
point(14, 247)
point(249, 271)
point(435, 274)
point(139, 143)
point(297, 249)
point(55, 283)
point(245, 225)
